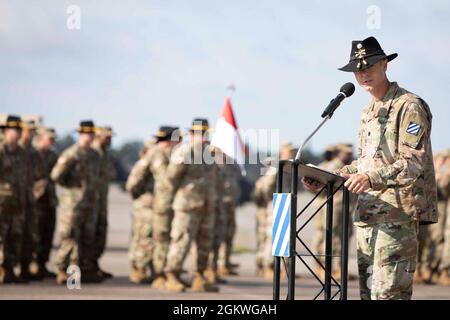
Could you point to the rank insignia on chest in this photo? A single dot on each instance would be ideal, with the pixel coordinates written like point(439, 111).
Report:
point(413, 128)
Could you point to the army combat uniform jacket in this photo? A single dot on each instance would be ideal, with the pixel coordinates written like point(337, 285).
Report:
point(395, 152)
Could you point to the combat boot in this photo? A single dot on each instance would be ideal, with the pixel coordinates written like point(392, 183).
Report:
point(91, 276)
point(61, 277)
point(45, 273)
point(138, 275)
point(27, 275)
point(210, 275)
point(259, 271)
point(199, 284)
point(104, 274)
point(159, 282)
point(418, 279)
point(426, 275)
point(225, 271)
point(2, 275)
point(173, 284)
point(268, 273)
point(7, 275)
point(444, 279)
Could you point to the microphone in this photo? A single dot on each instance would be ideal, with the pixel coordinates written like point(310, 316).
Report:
point(346, 91)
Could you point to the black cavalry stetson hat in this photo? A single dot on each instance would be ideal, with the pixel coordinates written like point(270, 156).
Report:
point(87, 126)
point(12, 122)
point(164, 133)
point(365, 53)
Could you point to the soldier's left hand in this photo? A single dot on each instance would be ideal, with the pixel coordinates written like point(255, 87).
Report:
point(357, 183)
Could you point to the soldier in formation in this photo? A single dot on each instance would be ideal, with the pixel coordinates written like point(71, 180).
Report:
point(14, 197)
point(101, 145)
point(263, 196)
point(46, 200)
point(77, 173)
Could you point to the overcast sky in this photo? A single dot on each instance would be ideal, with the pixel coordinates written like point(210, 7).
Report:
point(138, 64)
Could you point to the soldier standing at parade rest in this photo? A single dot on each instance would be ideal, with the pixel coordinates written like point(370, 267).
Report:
point(46, 200)
point(191, 179)
point(393, 176)
point(14, 194)
point(101, 145)
point(77, 172)
point(36, 177)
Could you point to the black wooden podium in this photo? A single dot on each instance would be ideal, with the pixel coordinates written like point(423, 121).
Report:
point(294, 170)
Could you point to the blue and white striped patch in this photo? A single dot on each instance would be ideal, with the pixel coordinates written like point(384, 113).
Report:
point(413, 128)
point(281, 212)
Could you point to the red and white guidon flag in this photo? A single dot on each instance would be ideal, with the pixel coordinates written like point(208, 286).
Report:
point(226, 136)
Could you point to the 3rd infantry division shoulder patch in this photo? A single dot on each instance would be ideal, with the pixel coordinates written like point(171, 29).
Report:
point(413, 128)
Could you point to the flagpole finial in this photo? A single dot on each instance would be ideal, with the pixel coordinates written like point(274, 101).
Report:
point(231, 88)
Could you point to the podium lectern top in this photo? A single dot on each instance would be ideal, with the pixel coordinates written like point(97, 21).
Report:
point(310, 171)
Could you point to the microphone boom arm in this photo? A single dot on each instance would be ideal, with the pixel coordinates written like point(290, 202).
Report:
point(300, 151)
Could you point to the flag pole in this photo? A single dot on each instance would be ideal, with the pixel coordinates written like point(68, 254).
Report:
point(231, 88)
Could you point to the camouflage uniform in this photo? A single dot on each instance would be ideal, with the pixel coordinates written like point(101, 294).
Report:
point(395, 152)
point(261, 206)
point(77, 171)
point(107, 173)
point(266, 186)
point(444, 182)
point(14, 194)
point(264, 189)
point(189, 185)
point(230, 175)
point(46, 203)
point(31, 237)
point(434, 242)
point(140, 184)
point(319, 237)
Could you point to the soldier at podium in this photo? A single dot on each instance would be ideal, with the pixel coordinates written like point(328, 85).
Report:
point(393, 176)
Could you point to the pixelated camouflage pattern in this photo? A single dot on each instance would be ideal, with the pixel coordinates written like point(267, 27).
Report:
point(106, 175)
point(192, 188)
point(77, 172)
point(399, 164)
point(14, 192)
point(46, 203)
point(387, 254)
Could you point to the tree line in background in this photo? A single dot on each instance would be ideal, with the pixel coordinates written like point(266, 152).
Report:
point(127, 154)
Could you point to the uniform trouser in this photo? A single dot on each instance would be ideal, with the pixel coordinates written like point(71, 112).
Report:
point(11, 231)
point(227, 244)
point(30, 238)
point(46, 225)
point(445, 262)
point(261, 235)
point(76, 228)
point(433, 248)
point(188, 227)
point(102, 226)
point(140, 253)
point(267, 257)
point(161, 237)
point(220, 223)
point(319, 236)
point(387, 255)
